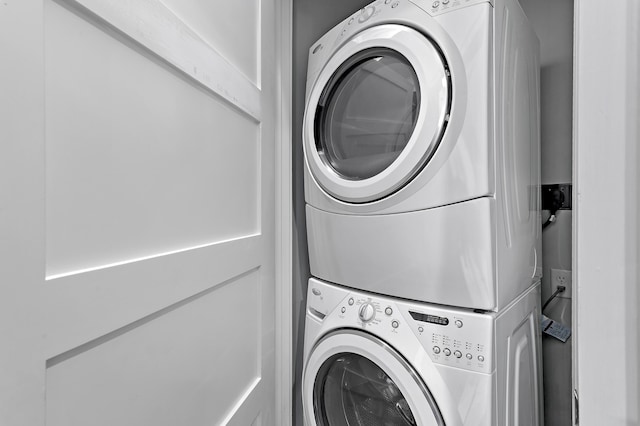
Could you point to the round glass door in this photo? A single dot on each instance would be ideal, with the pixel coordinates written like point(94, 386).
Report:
point(351, 390)
point(367, 113)
point(352, 378)
point(376, 114)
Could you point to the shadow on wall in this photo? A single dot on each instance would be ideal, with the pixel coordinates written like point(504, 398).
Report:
point(311, 19)
point(556, 99)
point(555, 121)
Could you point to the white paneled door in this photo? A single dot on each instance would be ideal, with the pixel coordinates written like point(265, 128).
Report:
point(137, 212)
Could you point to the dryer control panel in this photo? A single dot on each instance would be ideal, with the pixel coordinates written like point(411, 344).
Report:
point(356, 21)
point(437, 7)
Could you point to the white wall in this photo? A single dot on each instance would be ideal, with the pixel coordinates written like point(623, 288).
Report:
point(607, 222)
point(553, 23)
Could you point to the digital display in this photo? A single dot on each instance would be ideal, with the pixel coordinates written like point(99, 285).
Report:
point(433, 319)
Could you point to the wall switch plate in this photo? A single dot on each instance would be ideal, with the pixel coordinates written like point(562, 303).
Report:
point(560, 277)
point(558, 195)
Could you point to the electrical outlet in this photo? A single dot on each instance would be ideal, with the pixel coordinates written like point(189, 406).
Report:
point(556, 196)
point(560, 277)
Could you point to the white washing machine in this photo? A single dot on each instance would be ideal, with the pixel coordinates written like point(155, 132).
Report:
point(373, 360)
point(421, 140)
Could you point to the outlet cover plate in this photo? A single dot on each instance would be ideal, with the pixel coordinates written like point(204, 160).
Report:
point(561, 277)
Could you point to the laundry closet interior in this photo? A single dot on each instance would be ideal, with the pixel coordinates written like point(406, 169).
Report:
point(553, 24)
point(188, 236)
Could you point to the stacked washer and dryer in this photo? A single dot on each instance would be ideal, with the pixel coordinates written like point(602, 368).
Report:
point(422, 184)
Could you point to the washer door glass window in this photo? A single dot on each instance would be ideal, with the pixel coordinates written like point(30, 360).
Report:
point(367, 113)
point(351, 390)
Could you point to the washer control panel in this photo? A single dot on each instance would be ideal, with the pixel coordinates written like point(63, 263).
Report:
point(457, 338)
point(454, 337)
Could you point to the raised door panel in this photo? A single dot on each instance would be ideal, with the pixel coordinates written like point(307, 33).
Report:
point(140, 159)
point(177, 366)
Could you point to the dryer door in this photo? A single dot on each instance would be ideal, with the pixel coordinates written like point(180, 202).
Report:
point(376, 113)
point(352, 378)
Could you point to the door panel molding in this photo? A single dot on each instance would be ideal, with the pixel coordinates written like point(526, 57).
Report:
point(108, 299)
point(172, 40)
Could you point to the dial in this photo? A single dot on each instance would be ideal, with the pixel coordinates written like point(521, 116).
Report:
point(367, 312)
point(366, 13)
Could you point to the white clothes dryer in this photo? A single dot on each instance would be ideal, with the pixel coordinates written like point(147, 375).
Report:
point(373, 360)
point(422, 153)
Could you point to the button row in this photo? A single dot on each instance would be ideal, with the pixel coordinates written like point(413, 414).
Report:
point(457, 354)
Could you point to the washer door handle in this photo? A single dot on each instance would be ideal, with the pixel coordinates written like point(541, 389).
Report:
point(407, 418)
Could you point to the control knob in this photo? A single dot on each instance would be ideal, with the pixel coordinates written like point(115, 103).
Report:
point(366, 13)
point(367, 312)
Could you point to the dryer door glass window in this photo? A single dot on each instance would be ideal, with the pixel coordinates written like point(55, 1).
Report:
point(367, 113)
point(351, 390)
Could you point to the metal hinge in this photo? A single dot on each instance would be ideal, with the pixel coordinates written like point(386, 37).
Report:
point(576, 407)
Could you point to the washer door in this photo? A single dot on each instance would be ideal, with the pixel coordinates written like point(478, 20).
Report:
point(352, 378)
point(376, 113)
